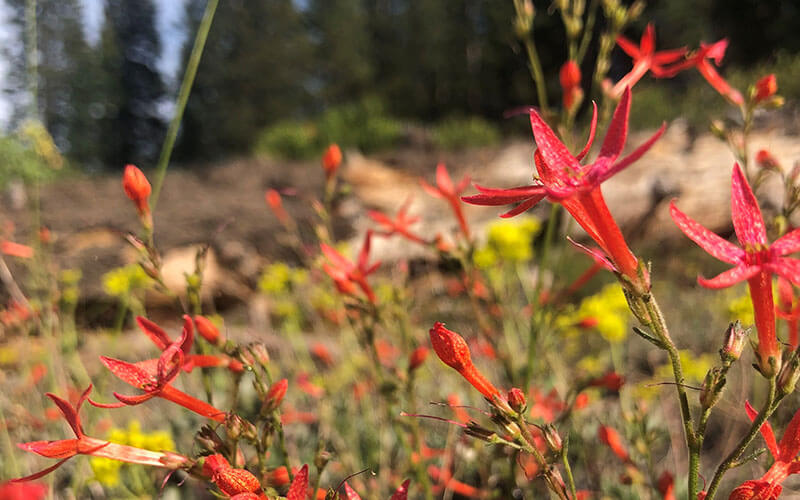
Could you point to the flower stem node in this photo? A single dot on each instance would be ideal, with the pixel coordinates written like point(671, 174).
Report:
point(712, 387)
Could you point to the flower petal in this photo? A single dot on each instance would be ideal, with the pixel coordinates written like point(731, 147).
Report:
point(522, 207)
point(62, 448)
point(41, 473)
point(496, 196)
point(717, 246)
point(729, 277)
point(614, 141)
point(555, 154)
point(336, 258)
point(595, 253)
point(299, 487)
point(592, 130)
point(350, 493)
point(786, 267)
point(766, 429)
point(747, 219)
point(402, 491)
point(629, 47)
point(154, 332)
point(128, 372)
point(788, 243)
point(790, 442)
point(443, 180)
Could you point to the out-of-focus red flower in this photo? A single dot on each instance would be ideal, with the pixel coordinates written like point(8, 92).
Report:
point(755, 262)
point(401, 224)
point(562, 179)
point(454, 402)
point(321, 353)
point(788, 309)
point(666, 486)
point(387, 353)
point(766, 161)
point(701, 60)
point(11, 490)
point(446, 190)
point(611, 438)
point(137, 188)
point(453, 350)
point(208, 330)
point(347, 275)
point(418, 356)
point(645, 58)
point(84, 445)
point(305, 384)
point(275, 394)
point(278, 477)
point(331, 160)
point(612, 381)
point(786, 463)
point(16, 249)
point(765, 88)
point(569, 76)
point(275, 203)
point(445, 481)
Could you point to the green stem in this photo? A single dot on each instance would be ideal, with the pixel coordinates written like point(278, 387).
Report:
point(568, 470)
point(730, 461)
point(32, 57)
point(537, 73)
point(183, 97)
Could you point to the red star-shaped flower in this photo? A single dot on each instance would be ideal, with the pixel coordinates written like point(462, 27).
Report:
point(645, 58)
point(564, 180)
point(756, 261)
point(702, 61)
point(401, 224)
point(446, 190)
point(347, 275)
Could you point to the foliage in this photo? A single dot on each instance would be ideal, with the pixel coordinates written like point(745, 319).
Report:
point(460, 133)
point(288, 139)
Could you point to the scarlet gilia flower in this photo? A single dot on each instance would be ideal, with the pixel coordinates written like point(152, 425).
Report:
point(84, 445)
point(569, 76)
point(275, 203)
point(701, 60)
point(400, 494)
point(298, 490)
point(230, 480)
point(275, 395)
point(137, 188)
point(331, 160)
point(401, 224)
point(768, 487)
point(765, 88)
point(453, 350)
point(755, 262)
point(346, 275)
point(611, 438)
point(562, 179)
point(10, 490)
point(446, 190)
point(788, 309)
point(156, 379)
point(645, 58)
point(208, 330)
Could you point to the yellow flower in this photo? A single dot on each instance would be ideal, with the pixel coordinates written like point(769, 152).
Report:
point(511, 240)
point(107, 471)
point(123, 280)
point(610, 309)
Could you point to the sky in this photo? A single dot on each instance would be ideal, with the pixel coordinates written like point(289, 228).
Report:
point(169, 20)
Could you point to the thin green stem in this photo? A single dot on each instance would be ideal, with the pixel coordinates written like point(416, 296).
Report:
point(183, 98)
point(730, 461)
point(537, 74)
point(568, 469)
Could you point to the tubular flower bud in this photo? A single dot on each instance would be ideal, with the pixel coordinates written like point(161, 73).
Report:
point(417, 357)
point(552, 438)
point(275, 395)
point(275, 203)
point(452, 349)
point(611, 438)
point(331, 160)
point(516, 399)
point(735, 340)
point(137, 188)
point(570, 78)
point(208, 330)
point(765, 88)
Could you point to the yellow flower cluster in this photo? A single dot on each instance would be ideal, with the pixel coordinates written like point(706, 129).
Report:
point(107, 471)
point(124, 280)
point(508, 241)
point(607, 308)
point(741, 308)
point(279, 278)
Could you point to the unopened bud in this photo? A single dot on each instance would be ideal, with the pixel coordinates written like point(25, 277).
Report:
point(208, 440)
point(712, 387)
point(789, 374)
point(237, 427)
point(552, 438)
point(331, 160)
point(275, 395)
point(137, 188)
point(766, 161)
point(636, 9)
point(764, 88)
point(418, 356)
point(208, 330)
point(516, 399)
point(321, 459)
point(260, 353)
point(735, 340)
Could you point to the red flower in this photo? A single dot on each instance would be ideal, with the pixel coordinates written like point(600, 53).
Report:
point(756, 262)
point(611, 381)
point(275, 203)
point(230, 480)
point(702, 61)
point(666, 486)
point(786, 463)
point(11, 490)
point(347, 275)
point(154, 377)
point(16, 249)
point(766, 161)
point(452, 349)
point(569, 76)
point(401, 223)
point(564, 180)
point(447, 191)
point(84, 445)
point(611, 438)
point(137, 188)
point(208, 330)
point(417, 357)
point(331, 160)
point(788, 309)
point(645, 59)
point(765, 88)
point(275, 394)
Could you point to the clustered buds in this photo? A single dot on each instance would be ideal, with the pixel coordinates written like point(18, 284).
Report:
point(453, 350)
point(137, 188)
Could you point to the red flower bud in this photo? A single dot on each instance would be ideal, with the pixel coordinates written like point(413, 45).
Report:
point(275, 394)
point(452, 349)
point(278, 477)
point(765, 88)
point(569, 75)
point(516, 399)
point(331, 160)
point(417, 357)
point(207, 330)
point(766, 161)
point(275, 203)
point(612, 439)
point(137, 188)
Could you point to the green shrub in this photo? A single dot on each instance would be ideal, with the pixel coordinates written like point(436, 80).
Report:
point(18, 161)
point(363, 124)
point(288, 139)
point(460, 133)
